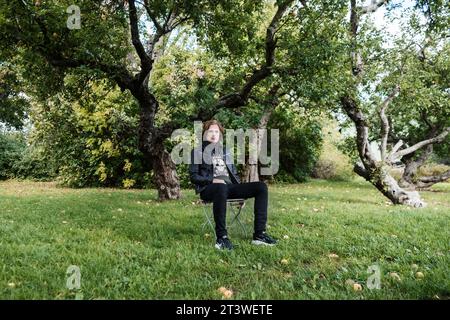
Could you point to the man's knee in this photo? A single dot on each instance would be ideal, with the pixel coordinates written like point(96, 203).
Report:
point(220, 190)
point(261, 186)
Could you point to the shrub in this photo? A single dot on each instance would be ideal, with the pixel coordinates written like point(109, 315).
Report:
point(12, 146)
point(92, 139)
point(35, 164)
point(332, 164)
point(300, 143)
point(432, 169)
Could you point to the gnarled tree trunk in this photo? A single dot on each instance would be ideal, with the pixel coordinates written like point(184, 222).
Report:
point(376, 172)
point(409, 174)
point(410, 178)
point(165, 173)
point(389, 187)
point(151, 144)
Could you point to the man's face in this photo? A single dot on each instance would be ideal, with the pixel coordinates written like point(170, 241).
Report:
point(213, 134)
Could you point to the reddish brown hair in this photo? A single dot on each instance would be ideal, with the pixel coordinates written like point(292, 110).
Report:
point(211, 122)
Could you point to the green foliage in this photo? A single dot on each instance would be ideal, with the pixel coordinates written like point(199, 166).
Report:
point(12, 146)
point(300, 141)
point(19, 160)
point(232, 28)
point(39, 30)
point(35, 164)
point(93, 139)
point(437, 13)
point(311, 56)
point(423, 100)
point(348, 147)
point(332, 164)
point(13, 105)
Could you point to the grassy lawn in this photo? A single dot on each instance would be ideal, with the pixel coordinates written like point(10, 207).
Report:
point(130, 246)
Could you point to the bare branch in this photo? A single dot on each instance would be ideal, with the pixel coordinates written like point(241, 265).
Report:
point(421, 144)
point(394, 150)
point(385, 122)
point(373, 6)
point(435, 179)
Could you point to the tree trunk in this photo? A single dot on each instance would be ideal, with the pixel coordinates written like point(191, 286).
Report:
point(376, 172)
point(389, 187)
point(411, 180)
point(165, 173)
point(427, 182)
point(251, 173)
point(409, 176)
point(152, 147)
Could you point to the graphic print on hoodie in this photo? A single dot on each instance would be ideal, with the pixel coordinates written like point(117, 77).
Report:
point(220, 169)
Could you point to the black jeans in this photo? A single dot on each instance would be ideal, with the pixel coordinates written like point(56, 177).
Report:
point(218, 193)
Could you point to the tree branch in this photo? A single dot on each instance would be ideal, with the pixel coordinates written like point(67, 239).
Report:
point(385, 122)
point(424, 116)
point(146, 61)
point(362, 130)
point(372, 7)
point(394, 150)
point(118, 73)
point(150, 14)
point(355, 15)
point(361, 171)
point(357, 63)
point(421, 144)
point(435, 179)
point(237, 99)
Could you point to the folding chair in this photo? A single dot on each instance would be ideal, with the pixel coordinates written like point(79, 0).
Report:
point(236, 206)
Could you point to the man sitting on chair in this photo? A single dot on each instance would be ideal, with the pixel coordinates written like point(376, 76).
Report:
point(216, 180)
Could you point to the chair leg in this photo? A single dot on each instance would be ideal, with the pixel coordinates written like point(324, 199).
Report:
point(208, 219)
point(236, 217)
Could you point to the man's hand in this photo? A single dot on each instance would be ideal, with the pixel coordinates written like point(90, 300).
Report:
point(218, 181)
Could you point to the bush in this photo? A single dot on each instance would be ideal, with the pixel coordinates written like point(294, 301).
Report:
point(300, 143)
point(93, 139)
point(283, 177)
point(35, 164)
point(432, 169)
point(332, 164)
point(12, 146)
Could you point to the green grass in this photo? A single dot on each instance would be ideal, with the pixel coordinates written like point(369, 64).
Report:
point(130, 246)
